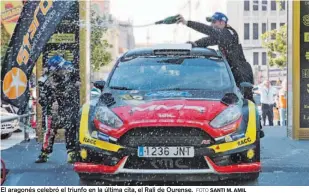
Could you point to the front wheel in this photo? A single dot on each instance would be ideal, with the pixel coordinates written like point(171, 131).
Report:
point(6, 135)
point(253, 176)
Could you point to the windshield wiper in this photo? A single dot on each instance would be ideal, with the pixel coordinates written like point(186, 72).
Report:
point(120, 88)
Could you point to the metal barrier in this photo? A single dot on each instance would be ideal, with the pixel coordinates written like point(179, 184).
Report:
point(23, 121)
point(11, 118)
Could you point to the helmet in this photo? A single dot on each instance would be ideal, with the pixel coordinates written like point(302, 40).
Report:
point(57, 62)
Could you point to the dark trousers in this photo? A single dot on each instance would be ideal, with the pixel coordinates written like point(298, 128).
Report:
point(267, 110)
point(54, 123)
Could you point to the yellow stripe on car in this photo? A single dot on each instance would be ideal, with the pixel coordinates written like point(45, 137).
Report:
point(85, 138)
point(250, 135)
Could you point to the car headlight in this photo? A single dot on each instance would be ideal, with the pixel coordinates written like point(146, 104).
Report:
point(228, 116)
point(107, 117)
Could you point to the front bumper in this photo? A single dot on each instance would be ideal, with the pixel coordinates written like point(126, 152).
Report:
point(113, 166)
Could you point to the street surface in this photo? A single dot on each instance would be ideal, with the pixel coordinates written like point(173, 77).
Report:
point(284, 161)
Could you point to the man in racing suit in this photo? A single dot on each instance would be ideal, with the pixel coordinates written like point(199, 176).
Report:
point(59, 85)
point(223, 35)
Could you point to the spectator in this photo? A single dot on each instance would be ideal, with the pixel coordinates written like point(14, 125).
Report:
point(283, 103)
point(276, 111)
point(267, 93)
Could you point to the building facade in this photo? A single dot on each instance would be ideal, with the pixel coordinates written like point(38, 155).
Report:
point(119, 34)
point(251, 19)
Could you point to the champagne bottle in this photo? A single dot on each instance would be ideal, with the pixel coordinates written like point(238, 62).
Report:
point(168, 20)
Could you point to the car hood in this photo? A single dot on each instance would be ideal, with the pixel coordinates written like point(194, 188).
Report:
point(188, 105)
point(195, 110)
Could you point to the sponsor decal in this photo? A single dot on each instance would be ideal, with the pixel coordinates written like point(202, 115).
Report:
point(62, 38)
point(244, 141)
point(127, 97)
point(168, 164)
point(166, 121)
point(11, 12)
point(131, 97)
point(306, 20)
point(103, 136)
point(206, 142)
point(168, 94)
point(237, 136)
point(134, 91)
point(137, 97)
point(306, 37)
point(144, 121)
point(90, 141)
point(166, 115)
point(305, 73)
point(174, 107)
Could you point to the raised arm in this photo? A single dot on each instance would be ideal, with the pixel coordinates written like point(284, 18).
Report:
point(206, 41)
point(218, 35)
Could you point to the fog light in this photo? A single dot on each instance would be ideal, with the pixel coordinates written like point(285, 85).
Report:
point(83, 154)
point(228, 138)
point(114, 161)
point(250, 154)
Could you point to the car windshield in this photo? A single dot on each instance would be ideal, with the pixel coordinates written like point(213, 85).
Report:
point(170, 73)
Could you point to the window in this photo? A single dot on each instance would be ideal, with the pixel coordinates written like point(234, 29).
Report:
point(273, 26)
point(255, 5)
point(255, 31)
point(247, 31)
point(264, 58)
point(282, 24)
point(282, 4)
point(264, 28)
point(162, 73)
point(255, 58)
point(264, 5)
point(273, 5)
point(247, 5)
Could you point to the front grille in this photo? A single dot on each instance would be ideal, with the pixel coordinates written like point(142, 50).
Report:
point(135, 162)
point(6, 125)
point(165, 136)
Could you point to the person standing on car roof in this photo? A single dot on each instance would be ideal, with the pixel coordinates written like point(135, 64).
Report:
point(223, 35)
point(59, 91)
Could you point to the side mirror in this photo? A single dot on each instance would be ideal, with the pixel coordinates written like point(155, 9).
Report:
point(245, 86)
point(230, 98)
point(99, 84)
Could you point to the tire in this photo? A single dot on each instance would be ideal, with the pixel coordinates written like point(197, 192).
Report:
point(18, 131)
point(6, 135)
point(85, 179)
point(253, 176)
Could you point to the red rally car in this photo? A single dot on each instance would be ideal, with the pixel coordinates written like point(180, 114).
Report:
point(169, 113)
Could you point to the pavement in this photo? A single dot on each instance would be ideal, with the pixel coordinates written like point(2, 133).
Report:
point(284, 162)
point(16, 138)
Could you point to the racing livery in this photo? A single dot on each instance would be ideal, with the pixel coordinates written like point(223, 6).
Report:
point(172, 115)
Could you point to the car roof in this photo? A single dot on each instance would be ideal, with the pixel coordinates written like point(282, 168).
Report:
point(171, 50)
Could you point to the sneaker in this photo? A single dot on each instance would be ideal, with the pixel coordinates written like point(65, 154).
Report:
point(71, 157)
point(42, 158)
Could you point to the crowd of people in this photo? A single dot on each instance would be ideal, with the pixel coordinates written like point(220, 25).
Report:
point(273, 103)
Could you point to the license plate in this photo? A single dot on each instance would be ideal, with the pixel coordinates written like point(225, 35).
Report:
point(159, 152)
